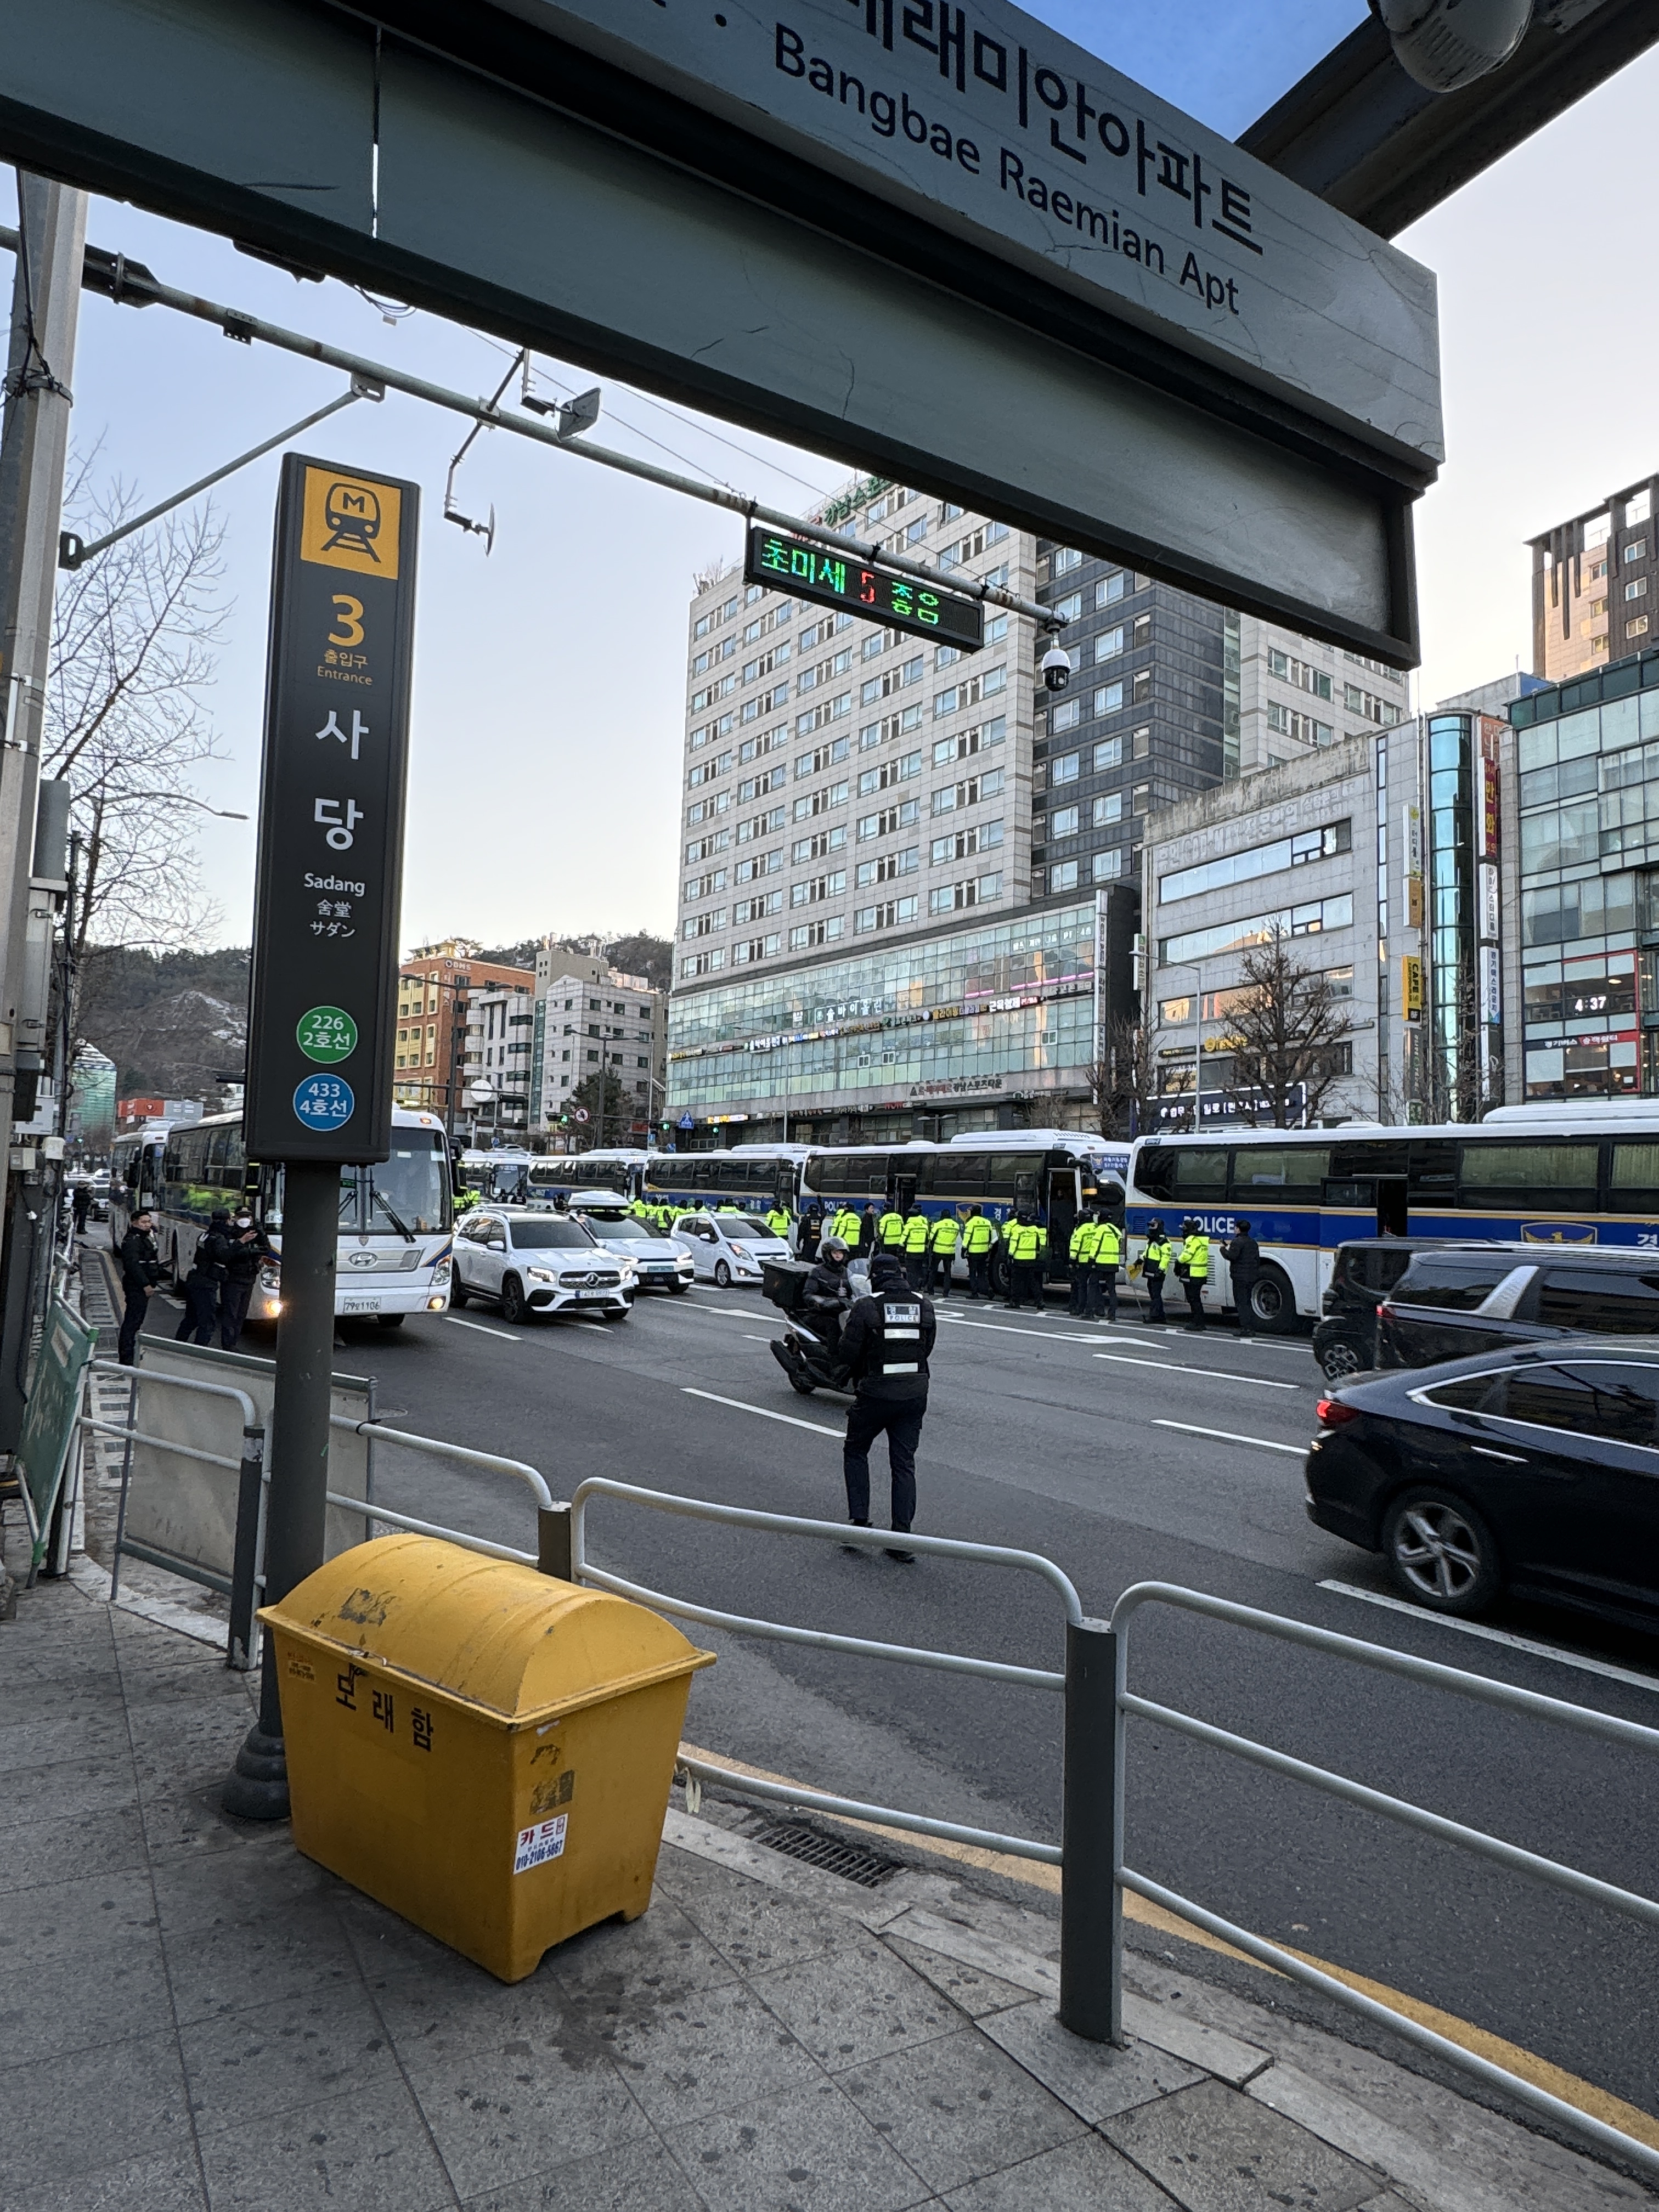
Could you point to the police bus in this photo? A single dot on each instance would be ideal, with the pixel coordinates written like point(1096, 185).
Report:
point(135, 1176)
point(395, 1252)
point(1553, 1173)
point(560, 1176)
point(1054, 1174)
point(752, 1176)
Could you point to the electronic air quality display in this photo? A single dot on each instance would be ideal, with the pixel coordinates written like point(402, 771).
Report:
point(807, 571)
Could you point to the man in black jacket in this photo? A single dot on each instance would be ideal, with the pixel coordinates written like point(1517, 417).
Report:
point(1244, 1257)
point(141, 1270)
point(202, 1284)
point(885, 1344)
point(250, 1250)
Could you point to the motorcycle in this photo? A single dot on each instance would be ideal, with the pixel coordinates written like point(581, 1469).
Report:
point(805, 1353)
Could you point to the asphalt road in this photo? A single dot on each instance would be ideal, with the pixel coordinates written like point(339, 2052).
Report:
point(1126, 1454)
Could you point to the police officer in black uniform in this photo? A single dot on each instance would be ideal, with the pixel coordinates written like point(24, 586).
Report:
point(884, 1345)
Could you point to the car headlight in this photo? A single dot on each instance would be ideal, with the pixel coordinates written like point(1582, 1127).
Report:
point(270, 1281)
point(541, 1275)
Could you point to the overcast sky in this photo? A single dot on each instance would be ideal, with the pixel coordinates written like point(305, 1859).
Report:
point(550, 683)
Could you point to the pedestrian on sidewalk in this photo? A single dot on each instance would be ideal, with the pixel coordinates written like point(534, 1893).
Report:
point(1244, 1257)
point(885, 1347)
point(204, 1281)
point(141, 1271)
point(82, 1201)
point(250, 1250)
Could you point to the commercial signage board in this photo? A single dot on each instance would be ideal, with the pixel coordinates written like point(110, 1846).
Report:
point(981, 121)
point(1411, 989)
point(806, 571)
point(329, 878)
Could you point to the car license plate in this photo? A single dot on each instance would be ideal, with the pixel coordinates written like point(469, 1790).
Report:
point(360, 1306)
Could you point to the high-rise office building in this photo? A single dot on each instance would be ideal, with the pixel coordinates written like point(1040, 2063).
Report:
point(1594, 581)
point(899, 861)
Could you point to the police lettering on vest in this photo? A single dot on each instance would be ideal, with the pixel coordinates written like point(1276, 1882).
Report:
point(1024, 1241)
point(914, 1238)
point(979, 1235)
point(1110, 1249)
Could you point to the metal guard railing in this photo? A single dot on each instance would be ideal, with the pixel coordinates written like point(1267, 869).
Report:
point(1481, 1688)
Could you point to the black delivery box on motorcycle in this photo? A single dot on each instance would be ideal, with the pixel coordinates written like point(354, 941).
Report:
point(784, 1282)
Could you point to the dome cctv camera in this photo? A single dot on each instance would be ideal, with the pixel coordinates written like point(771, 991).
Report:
point(1056, 669)
point(1444, 45)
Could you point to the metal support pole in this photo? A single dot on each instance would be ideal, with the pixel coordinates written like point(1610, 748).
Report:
point(297, 1511)
point(553, 1542)
point(250, 1483)
point(1091, 1822)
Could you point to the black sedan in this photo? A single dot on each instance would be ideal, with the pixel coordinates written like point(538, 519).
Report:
point(1533, 1469)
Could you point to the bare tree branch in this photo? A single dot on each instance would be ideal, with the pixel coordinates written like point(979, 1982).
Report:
point(135, 646)
point(1290, 1032)
point(1124, 1085)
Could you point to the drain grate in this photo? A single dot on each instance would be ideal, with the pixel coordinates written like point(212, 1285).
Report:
point(853, 1862)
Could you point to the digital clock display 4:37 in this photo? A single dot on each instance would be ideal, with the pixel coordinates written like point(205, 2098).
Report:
point(806, 571)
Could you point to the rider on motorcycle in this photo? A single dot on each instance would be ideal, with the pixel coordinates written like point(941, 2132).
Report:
point(828, 1294)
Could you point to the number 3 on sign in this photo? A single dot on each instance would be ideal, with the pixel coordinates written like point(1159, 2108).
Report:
point(350, 619)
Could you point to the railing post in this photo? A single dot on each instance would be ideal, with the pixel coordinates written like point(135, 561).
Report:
point(1090, 1914)
point(250, 1483)
point(553, 1546)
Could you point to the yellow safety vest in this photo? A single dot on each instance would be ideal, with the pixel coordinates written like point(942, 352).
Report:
point(946, 1232)
point(979, 1235)
point(1156, 1258)
point(914, 1237)
point(778, 1222)
point(1195, 1251)
point(1084, 1237)
point(1023, 1240)
point(1109, 1248)
point(846, 1225)
point(889, 1229)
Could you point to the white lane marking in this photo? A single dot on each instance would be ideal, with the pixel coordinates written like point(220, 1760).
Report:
point(1008, 1328)
point(757, 1339)
point(1170, 1367)
point(765, 1412)
point(731, 1313)
point(1229, 1436)
point(483, 1327)
point(1497, 1636)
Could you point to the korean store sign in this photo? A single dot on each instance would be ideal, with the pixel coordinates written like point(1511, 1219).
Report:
point(331, 815)
point(979, 119)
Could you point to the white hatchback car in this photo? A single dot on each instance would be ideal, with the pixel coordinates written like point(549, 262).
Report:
point(728, 1248)
point(533, 1262)
point(661, 1263)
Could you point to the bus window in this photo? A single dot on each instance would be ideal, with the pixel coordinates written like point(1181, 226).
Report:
point(1633, 1182)
point(1433, 1170)
point(1527, 1178)
point(1274, 1174)
point(1200, 1177)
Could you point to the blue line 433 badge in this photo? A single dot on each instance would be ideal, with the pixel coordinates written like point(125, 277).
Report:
point(323, 1101)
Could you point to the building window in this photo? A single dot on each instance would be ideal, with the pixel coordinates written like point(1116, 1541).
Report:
point(1110, 754)
point(1110, 588)
point(1637, 588)
point(1062, 877)
point(1063, 560)
point(888, 915)
point(1109, 864)
point(1257, 860)
point(1063, 821)
point(1637, 629)
point(1109, 698)
point(1070, 607)
point(1637, 548)
point(1108, 808)
point(1066, 717)
point(1065, 769)
point(1308, 921)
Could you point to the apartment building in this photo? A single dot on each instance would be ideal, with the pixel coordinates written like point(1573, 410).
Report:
point(435, 985)
point(495, 1094)
point(1593, 579)
point(588, 1016)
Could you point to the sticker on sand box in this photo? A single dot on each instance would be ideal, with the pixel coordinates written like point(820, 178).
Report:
point(535, 1846)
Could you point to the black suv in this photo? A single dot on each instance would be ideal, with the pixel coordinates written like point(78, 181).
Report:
point(1457, 1299)
point(1363, 1272)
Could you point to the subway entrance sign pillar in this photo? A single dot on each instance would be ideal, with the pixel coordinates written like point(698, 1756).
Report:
point(326, 916)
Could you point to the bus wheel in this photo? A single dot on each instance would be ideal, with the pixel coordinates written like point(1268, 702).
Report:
point(391, 1321)
point(1272, 1304)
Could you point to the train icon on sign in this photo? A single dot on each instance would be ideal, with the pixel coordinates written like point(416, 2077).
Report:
point(351, 512)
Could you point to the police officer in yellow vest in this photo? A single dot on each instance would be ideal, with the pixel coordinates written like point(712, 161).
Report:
point(777, 1218)
point(1194, 1268)
point(890, 1231)
point(942, 1241)
point(1024, 1241)
point(846, 1227)
point(1154, 1266)
point(914, 1244)
point(979, 1238)
point(1081, 1253)
point(1102, 1276)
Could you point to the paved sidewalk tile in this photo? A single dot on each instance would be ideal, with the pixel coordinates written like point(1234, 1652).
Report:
point(808, 2149)
point(503, 2113)
point(169, 2182)
point(1095, 2080)
point(957, 2109)
point(640, 2176)
point(860, 2004)
point(1085, 2176)
point(703, 2055)
point(1208, 2147)
point(112, 2101)
point(285, 2055)
point(975, 1989)
point(354, 2154)
point(755, 1929)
